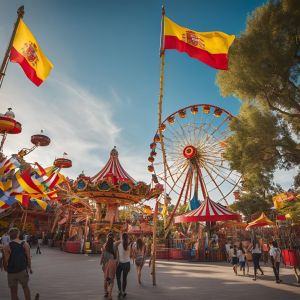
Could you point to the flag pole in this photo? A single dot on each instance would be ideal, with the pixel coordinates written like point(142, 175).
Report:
point(161, 85)
point(5, 61)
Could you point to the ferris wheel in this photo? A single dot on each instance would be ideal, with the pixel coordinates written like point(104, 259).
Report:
point(191, 158)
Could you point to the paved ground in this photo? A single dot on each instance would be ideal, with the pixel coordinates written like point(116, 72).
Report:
point(60, 276)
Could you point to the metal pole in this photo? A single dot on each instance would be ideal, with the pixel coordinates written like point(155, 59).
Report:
point(154, 243)
point(5, 61)
point(161, 81)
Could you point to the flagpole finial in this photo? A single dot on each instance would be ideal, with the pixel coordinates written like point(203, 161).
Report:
point(163, 10)
point(21, 11)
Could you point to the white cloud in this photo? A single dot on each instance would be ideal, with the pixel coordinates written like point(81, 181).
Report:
point(78, 122)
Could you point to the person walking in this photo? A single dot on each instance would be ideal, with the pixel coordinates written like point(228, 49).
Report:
point(5, 239)
point(234, 258)
point(123, 253)
point(109, 266)
point(242, 258)
point(275, 254)
point(39, 244)
point(256, 255)
point(266, 250)
point(227, 250)
point(17, 262)
point(1, 257)
point(139, 257)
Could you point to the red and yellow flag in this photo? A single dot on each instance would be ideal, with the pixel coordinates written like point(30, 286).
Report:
point(27, 52)
point(208, 47)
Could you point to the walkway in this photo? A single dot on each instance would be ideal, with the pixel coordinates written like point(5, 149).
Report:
point(60, 276)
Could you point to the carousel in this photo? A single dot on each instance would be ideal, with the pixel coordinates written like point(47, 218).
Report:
point(98, 200)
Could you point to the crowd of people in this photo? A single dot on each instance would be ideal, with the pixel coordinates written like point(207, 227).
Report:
point(115, 260)
point(241, 255)
point(117, 255)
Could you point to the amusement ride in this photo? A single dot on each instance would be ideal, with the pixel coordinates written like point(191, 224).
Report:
point(190, 160)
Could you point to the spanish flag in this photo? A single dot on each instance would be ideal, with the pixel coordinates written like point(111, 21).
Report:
point(208, 47)
point(27, 52)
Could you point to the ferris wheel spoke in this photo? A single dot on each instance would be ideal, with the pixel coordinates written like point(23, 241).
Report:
point(204, 128)
point(221, 137)
point(223, 170)
point(169, 185)
point(179, 177)
point(219, 126)
point(231, 190)
point(174, 141)
point(225, 178)
point(175, 133)
point(218, 188)
point(178, 201)
point(188, 138)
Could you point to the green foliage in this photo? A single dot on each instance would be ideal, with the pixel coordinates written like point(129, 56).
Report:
point(264, 67)
point(292, 208)
point(264, 60)
point(258, 146)
point(251, 205)
point(297, 181)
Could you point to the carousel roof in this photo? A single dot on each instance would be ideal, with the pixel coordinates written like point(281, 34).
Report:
point(208, 211)
point(113, 169)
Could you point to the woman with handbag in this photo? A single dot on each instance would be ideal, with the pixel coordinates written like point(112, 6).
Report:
point(109, 266)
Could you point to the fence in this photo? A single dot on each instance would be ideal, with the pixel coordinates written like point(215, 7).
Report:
point(187, 249)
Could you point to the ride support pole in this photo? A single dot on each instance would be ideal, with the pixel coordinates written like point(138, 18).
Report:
point(25, 219)
point(161, 92)
point(153, 258)
point(85, 232)
point(5, 61)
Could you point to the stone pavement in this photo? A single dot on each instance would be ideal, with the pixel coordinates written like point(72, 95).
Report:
point(61, 276)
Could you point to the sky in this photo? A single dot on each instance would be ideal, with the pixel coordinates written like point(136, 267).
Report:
point(103, 90)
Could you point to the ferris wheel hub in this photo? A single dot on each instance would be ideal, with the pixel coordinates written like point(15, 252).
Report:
point(189, 152)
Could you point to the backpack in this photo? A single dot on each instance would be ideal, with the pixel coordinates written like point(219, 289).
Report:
point(17, 261)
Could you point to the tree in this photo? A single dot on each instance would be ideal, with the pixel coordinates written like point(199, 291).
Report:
point(251, 205)
point(264, 67)
point(259, 144)
point(264, 61)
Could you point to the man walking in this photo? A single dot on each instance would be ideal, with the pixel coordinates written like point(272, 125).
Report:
point(275, 254)
point(39, 244)
point(16, 262)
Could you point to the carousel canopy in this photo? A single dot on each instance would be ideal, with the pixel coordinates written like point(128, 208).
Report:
point(113, 169)
point(208, 211)
point(261, 221)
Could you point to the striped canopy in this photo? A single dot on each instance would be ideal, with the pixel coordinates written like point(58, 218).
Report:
point(113, 169)
point(208, 211)
point(261, 221)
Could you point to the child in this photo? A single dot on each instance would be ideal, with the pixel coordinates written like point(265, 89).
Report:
point(242, 258)
point(275, 254)
point(234, 258)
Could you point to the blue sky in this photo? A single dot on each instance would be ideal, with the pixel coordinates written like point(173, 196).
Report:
point(103, 90)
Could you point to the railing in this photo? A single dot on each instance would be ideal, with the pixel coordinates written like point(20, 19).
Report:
point(186, 249)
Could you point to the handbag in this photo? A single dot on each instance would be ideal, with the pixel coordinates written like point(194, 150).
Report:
point(249, 256)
